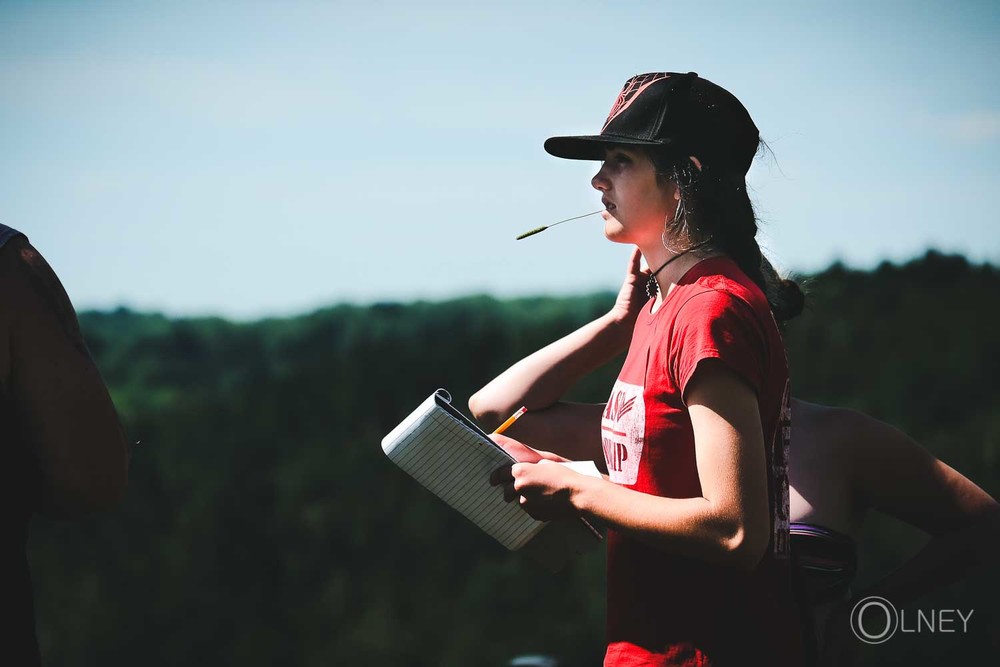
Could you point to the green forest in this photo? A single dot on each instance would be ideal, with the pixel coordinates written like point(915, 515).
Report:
point(263, 524)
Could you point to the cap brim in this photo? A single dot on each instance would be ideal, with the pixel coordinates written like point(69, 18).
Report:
point(592, 147)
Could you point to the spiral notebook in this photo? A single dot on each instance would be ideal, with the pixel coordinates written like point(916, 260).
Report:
point(452, 457)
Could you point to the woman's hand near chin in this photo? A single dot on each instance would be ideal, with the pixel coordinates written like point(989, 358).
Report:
point(632, 295)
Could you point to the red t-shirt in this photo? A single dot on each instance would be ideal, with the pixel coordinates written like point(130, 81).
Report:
point(665, 609)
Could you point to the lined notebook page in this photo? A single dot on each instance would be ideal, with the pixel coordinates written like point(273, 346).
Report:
point(454, 462)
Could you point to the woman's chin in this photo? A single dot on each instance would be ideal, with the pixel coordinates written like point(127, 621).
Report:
point(613, 231)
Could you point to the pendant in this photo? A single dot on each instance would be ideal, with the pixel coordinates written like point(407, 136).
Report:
point(651, 287)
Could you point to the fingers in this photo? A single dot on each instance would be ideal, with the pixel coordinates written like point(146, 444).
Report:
point(499, 439)
point(505, 476)
point(518, 450)
point(508, 492)
point(515, 470)
point(508, 472)
point(520, 484)
point(635, 263)
point(517, 484)
point(634, 260)
point(501, 475)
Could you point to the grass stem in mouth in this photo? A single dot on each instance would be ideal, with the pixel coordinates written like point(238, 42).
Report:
point(538, 230)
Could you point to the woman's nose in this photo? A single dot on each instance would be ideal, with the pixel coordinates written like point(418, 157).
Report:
point(600, 181)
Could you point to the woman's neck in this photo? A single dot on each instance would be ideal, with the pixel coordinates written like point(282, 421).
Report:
point(680, 263)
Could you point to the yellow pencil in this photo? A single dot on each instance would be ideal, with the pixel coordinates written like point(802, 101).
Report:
point(510, 420)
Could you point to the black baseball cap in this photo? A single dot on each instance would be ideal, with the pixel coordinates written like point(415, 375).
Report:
point(676, 113)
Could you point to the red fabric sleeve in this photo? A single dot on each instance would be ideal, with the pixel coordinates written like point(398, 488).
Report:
point(716, 324)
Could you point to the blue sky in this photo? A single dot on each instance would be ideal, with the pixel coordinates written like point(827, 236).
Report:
point(252, 159)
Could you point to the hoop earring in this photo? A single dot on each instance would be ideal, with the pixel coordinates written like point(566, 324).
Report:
point(678, 212)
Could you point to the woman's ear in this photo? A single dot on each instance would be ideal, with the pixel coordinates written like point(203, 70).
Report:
point(695, 161)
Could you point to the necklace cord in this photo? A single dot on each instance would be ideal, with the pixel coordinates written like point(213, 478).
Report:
point(652, 287)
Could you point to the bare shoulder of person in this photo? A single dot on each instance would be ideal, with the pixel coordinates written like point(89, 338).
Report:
point(834, 428)
point(832, 437)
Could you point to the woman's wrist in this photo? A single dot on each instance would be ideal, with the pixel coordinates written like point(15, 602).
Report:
point(583, 494)
point(619, 325)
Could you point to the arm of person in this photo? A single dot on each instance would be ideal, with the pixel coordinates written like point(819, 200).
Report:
point(66, 415)
point(540, 380)
point(728, 524)
point(895, 475)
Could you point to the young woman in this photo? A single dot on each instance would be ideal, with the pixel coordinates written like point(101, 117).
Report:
point(694, 435)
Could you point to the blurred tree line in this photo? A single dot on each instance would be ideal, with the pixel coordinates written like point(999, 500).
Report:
point(264, 525)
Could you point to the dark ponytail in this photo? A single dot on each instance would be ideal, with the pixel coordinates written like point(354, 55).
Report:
point(715, 212)
point(784, 294)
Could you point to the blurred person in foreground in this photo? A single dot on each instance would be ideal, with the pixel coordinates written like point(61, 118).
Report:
point(63, 446)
